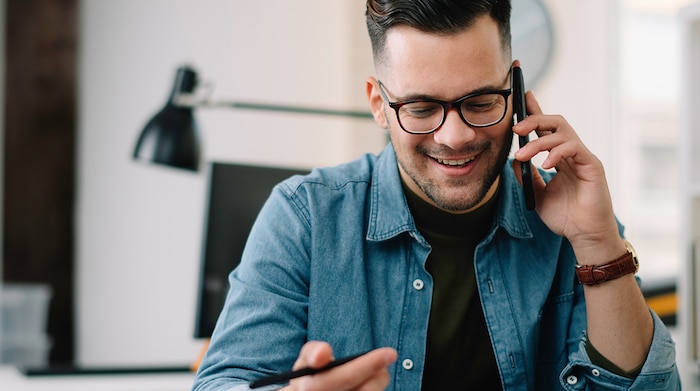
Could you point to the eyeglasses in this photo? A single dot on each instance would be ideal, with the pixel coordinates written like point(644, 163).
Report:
point(423, 116)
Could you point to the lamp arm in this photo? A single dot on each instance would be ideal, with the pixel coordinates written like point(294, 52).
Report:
point(192, 101)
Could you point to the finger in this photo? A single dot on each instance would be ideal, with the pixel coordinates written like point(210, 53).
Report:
point(543, 125)
point(539, 144)
point(314, 354)
point(379, 382)
point(367, 369)
point(538, 182)
point(561, 153)
point(557, 151)
point(559, 147)
point(370, 365)
point(524, 128)
point(531, 104)
point(536, 177)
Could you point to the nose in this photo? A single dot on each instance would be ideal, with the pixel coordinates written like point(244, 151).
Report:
point(454, 132)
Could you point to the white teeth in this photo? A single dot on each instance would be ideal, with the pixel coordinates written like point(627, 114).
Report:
point(455, 162)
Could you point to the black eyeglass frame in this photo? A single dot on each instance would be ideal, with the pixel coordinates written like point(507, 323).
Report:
point(446, 106)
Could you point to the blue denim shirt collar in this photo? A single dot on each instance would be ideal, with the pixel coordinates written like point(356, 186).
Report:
point(389, 218)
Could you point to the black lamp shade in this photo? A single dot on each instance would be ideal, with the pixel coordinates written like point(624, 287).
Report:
point(171, 137)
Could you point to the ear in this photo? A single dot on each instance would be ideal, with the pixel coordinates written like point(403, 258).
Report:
point(376, 103)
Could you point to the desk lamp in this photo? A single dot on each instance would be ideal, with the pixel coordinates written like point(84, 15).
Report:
point(171, 137)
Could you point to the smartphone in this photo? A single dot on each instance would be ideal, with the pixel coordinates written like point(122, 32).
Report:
point(519, 114)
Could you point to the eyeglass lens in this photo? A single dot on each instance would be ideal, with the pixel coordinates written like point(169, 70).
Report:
point(426, 116)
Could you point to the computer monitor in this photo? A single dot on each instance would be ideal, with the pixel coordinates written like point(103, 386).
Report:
point(236, 194)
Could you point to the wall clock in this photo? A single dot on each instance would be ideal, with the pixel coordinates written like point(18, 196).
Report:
point(533, 39)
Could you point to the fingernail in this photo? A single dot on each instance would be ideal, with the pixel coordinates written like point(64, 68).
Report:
point(390, 357)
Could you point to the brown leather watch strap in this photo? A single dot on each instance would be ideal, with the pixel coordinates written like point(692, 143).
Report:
point(592, 275)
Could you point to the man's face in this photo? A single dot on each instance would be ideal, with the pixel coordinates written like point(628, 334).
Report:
point(455, 167)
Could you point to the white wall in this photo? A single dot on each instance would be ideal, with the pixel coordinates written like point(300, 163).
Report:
point(140, 227)
point(579, 84)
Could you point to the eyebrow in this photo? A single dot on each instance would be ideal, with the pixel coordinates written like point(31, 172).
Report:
point(476, 91)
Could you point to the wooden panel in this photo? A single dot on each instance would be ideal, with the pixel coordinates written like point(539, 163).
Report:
point(40, 122)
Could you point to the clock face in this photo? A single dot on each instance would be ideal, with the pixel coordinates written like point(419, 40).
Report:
point(533, 39)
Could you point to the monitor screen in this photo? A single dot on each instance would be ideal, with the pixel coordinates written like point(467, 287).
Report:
point(236, 194)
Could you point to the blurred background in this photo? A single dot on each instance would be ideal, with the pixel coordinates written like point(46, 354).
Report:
point(120, 242)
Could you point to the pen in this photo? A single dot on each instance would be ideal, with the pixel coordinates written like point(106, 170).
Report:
point(287, 376)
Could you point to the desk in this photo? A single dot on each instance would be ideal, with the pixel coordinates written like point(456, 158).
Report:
point(12, 379)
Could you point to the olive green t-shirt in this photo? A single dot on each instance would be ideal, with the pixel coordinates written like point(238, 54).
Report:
point(459, 353)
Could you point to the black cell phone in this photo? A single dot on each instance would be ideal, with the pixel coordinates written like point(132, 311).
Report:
point(519, 114)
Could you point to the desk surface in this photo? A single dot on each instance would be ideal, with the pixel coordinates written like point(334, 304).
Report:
point(12, 379)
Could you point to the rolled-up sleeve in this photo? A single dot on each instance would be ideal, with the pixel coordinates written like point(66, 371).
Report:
point(659, 371)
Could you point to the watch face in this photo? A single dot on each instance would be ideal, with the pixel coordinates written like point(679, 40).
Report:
point(631, 249)
point(532, 38)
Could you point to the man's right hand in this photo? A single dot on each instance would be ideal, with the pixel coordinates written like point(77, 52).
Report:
point(368, 372)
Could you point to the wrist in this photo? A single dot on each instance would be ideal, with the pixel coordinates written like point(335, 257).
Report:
point(599, 251)
point(594, 274)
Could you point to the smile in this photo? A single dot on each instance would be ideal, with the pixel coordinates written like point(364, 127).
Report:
point(459, 162)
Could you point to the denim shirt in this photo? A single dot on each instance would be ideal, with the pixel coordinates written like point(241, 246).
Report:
point(336, 256)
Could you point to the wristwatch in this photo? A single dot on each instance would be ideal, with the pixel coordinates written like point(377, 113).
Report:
point(593, 275)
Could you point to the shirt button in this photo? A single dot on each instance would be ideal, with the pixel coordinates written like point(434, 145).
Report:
point(572, 380)
point(595, 372)
point(407, 364)
point(418, 284)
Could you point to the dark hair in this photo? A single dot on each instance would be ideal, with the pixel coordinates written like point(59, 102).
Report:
point(433, 16)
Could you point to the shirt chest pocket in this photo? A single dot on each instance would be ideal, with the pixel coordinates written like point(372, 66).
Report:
point(556, 321)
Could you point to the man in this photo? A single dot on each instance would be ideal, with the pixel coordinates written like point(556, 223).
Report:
point(426, 256)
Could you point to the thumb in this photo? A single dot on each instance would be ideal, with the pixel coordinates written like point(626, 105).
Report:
point(538, 183)
point(314, 354)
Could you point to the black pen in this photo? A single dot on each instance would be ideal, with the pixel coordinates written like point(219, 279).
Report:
point(287, 376)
